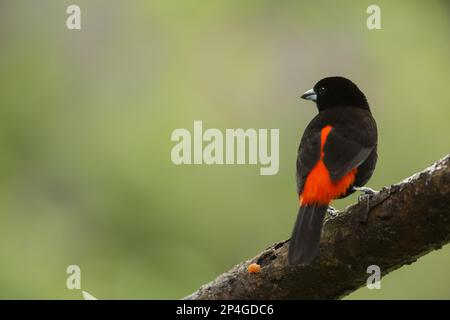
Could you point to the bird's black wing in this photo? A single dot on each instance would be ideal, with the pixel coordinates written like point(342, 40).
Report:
point(342, 153)
point(307, 156)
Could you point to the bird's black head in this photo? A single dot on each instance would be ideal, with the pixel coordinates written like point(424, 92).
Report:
point(336, 92)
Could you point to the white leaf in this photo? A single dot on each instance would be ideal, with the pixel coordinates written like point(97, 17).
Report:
point(88, 296)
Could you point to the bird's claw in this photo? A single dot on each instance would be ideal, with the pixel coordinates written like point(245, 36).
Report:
point(367, 193)
point(332, 211)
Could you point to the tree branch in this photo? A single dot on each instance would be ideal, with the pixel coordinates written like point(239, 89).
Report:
point(404, 222)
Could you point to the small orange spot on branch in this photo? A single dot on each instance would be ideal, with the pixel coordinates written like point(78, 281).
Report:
point(254, 268)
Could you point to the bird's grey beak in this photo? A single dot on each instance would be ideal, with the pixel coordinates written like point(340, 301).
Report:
point(310, 95)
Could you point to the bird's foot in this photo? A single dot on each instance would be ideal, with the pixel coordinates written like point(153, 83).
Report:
point(332, 211)
point(367, 193)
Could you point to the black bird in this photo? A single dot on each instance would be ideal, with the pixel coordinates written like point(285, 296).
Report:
point(336, 157)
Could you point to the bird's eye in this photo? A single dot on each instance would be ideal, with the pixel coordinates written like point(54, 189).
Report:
point(321, 91)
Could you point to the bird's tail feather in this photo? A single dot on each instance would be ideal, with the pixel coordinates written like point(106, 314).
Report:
point(305, 239)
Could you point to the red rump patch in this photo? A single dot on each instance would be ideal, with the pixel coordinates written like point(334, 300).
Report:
point(318, 188)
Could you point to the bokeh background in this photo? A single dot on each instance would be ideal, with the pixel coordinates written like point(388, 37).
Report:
point(86, 117)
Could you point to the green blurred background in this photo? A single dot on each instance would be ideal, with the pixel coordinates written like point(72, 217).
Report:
point(86, 118)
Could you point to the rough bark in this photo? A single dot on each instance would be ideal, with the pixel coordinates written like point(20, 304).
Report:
point(394, 227)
